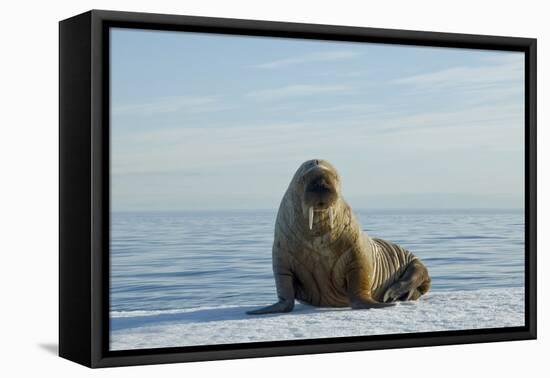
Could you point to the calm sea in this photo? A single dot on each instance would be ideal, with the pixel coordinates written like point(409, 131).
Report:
point(176, 260)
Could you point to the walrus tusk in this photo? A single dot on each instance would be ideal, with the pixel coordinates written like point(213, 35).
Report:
point(330, 215)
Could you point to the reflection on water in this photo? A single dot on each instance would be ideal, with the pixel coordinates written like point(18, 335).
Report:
point(177, 260)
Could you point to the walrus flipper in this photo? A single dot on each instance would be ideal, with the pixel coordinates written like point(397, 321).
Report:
point(366, 303)
point(281, 306)
point(414, 282)
point(285, 292)
point(359, 293)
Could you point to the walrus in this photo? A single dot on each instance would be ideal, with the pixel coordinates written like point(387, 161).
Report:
point(321, 256)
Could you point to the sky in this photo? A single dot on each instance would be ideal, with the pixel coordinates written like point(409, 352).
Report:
point(218, 122)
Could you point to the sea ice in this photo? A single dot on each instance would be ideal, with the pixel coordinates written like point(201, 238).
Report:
point(437, 311)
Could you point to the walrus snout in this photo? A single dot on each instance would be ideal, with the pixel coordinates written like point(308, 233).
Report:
point(320, 187)
point(320, 193)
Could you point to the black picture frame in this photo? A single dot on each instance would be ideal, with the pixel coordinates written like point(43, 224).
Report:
point(84, 187)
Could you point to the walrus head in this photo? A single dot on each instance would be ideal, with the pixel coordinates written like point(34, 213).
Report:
point(319, 190)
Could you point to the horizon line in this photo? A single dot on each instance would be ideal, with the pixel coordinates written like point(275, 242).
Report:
point(356, 209)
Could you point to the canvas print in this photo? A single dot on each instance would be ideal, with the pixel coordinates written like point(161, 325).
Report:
point(268, 189)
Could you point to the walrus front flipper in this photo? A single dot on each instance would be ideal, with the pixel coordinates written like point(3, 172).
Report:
point(281, 306)
point(285, 292)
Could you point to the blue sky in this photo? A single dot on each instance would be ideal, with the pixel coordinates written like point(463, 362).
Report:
point(205, 121)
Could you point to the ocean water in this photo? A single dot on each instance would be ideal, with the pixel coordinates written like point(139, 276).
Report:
point(189, 260)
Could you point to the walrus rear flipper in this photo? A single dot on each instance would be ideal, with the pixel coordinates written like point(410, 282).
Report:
point(414, 282)
point(369, 303)
point(281, 306)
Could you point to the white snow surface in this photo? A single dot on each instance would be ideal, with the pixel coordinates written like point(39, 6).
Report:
point(436, 311)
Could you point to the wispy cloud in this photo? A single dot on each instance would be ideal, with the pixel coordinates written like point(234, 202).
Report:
point(345, 108)
point(509, 69)
point(253, 143)
point(299, 90)
point(474, 118)
point(191, 104)
point(498, 80)
point(325, 56)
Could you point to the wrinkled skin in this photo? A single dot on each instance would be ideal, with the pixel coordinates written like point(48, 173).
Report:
point(322, 258)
